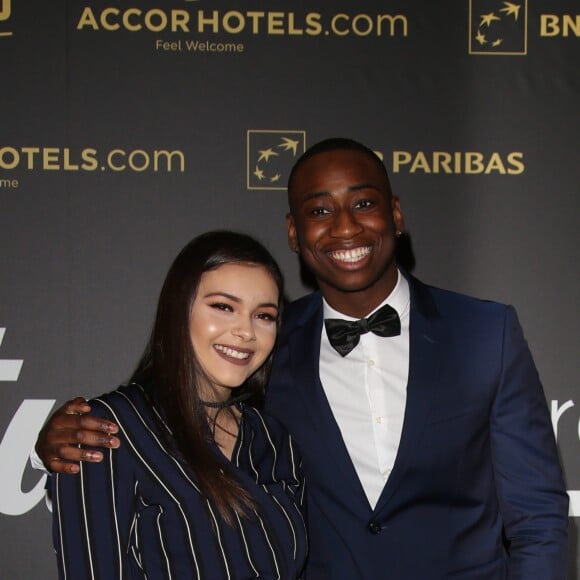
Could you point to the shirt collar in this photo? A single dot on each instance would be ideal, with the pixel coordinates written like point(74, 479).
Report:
point(399, 299)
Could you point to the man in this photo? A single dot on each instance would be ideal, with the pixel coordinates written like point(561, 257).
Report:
point(425, 435)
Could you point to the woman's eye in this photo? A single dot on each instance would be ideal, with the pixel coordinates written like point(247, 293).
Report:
point(221, 306)
point(266, 316)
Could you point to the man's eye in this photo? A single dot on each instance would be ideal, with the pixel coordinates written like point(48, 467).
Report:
point(364, 204)
point(318, 211)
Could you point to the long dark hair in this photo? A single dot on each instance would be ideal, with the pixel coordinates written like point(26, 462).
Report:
point(171, 372)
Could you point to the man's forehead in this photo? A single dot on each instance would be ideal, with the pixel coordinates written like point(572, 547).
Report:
point(340, 167)
point(328, 163)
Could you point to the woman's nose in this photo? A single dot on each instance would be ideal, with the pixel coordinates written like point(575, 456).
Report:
point(244, 330)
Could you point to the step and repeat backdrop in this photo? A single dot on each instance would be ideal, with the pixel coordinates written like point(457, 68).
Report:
point(128, 127)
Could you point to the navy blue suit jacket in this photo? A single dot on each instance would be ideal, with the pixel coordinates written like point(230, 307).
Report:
point(476, 492)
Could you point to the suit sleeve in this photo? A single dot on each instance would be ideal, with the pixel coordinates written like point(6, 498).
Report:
point(92, 515)
point(530, 487)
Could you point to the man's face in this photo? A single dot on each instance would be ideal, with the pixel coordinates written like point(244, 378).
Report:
point(343, 220)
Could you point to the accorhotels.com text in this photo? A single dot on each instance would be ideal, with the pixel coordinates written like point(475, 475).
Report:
point(90, 159)
point(254, 22)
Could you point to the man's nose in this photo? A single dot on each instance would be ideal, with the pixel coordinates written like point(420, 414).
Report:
point(345, 225)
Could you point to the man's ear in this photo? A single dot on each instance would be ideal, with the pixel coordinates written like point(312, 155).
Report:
point(398, 218)
point(292, 237)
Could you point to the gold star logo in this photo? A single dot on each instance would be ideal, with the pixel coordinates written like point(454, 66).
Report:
point(270, 156)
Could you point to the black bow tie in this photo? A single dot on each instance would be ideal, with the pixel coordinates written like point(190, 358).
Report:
point(345, 335)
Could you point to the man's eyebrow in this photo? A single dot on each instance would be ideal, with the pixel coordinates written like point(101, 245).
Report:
point(314, 195)
point(357, 187)
point(360, 186)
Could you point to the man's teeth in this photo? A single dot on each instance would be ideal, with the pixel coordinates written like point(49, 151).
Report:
point(231, 352)
point(353, 255)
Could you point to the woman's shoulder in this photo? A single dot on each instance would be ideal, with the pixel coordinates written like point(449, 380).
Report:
point(265, 425)
point(267, 451)
point(124, 402)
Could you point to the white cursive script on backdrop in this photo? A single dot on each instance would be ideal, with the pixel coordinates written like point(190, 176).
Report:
point(15, 449)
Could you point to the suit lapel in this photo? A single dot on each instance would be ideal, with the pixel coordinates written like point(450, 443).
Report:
point(426, 337)
point(304, 345)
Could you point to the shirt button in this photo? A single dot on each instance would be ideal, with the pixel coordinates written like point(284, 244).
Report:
point(374, 528)
point(371, 363)
point(379, 420)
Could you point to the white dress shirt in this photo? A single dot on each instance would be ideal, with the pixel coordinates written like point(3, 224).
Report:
point(367, 392)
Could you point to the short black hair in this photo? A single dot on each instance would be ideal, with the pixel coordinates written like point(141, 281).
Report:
point(337, 144)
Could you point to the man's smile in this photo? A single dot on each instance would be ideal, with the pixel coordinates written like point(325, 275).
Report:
point(352, 255)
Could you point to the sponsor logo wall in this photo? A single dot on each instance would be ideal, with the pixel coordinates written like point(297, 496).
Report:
point(128, 128)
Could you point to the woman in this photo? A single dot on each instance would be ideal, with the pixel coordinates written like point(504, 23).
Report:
point(203, 485)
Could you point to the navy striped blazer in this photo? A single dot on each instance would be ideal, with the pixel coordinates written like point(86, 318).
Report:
point(139, 513)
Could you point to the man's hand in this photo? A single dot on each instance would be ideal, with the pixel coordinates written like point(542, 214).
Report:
point(58, 442)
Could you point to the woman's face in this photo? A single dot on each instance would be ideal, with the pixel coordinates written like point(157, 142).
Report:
point(233, 324)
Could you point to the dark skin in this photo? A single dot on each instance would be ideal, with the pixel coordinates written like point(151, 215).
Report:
point(67, 425)
point(343, 220)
